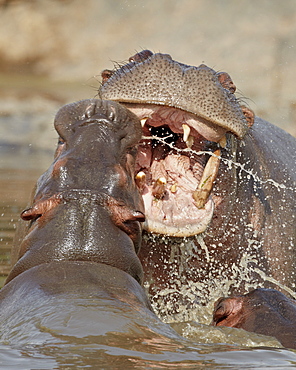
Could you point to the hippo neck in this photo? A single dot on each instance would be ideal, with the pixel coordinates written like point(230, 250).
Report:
point(79, 228)
point(99, 198)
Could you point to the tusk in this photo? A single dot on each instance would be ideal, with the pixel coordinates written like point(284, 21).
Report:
point(189, 141)
point(159, 187)
point(143, 121)
point(186, 132)
point(201, 194)
point(174, 188)
point(140, 179)
point(223, 142)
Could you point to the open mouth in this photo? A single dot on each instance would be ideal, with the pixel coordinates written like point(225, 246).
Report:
point(176, 168)
point(186, 112)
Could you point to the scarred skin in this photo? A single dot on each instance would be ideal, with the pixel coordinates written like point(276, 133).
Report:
point(77, 263)
point(249, 240)
point(263, 311)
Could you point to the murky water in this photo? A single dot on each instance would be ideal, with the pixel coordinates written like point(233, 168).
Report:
point(15, 187)
point(188, 345)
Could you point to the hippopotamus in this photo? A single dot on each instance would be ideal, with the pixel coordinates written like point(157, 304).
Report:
point(218, 184)
point(77, 270)
point(263, 311)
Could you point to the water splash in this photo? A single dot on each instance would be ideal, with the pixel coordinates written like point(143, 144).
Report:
point(188, 287)
point(230, 162)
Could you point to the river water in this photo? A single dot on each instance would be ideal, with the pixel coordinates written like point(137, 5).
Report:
point(192, 345)
point(137, 346)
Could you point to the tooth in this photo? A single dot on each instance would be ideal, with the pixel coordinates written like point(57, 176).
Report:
point(186, 132)
point(190, 141)
point(143, 121)
point(140, 179)
point(174, 188)
point(223, 142)
point(201, 194)
point(159, 187)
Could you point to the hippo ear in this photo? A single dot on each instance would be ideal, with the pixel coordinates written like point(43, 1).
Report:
point(226, 311)
point(121, 214)
point(30, 214)
point(39, 208)
point(128, 220)
point(69, 114)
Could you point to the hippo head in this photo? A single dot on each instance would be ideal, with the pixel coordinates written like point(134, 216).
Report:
point(190, 118)
point(87, 206)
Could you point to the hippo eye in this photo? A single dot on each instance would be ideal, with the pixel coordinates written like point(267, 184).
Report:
point(61, 141)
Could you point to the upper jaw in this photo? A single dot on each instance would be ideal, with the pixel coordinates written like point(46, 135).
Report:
point(159, 115)
point(158, 79)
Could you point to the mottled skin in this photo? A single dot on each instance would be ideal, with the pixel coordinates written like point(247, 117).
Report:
point(177, 85)
point(77, 265)
point(263, 311)
point(250, 240)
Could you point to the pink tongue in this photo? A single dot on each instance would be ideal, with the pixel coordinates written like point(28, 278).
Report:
point(178, 169)
point(144, 157)
point(174, 167)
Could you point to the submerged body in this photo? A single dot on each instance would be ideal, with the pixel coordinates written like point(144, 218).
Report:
point(53, 301)
point(263, 311)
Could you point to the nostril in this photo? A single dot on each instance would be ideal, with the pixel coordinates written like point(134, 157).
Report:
point(220, 314)
point(226, 81)
point(30, 214)
point(90, 111)
point(141, 56)
point(106, 74)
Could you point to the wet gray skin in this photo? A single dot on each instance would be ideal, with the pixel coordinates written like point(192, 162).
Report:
point(88, 193)
point(220, 200)
point(263, 311)
point(77, 272)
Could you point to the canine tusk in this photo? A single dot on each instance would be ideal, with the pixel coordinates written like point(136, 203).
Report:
point(186, 132)
point(190, 141)
point(223, 142)
point(201, 194)
point(159, 187)
point(140, 180)
point(143, 121)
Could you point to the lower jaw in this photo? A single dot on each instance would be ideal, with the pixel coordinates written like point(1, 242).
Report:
point(184, 228)
point(180, 212)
